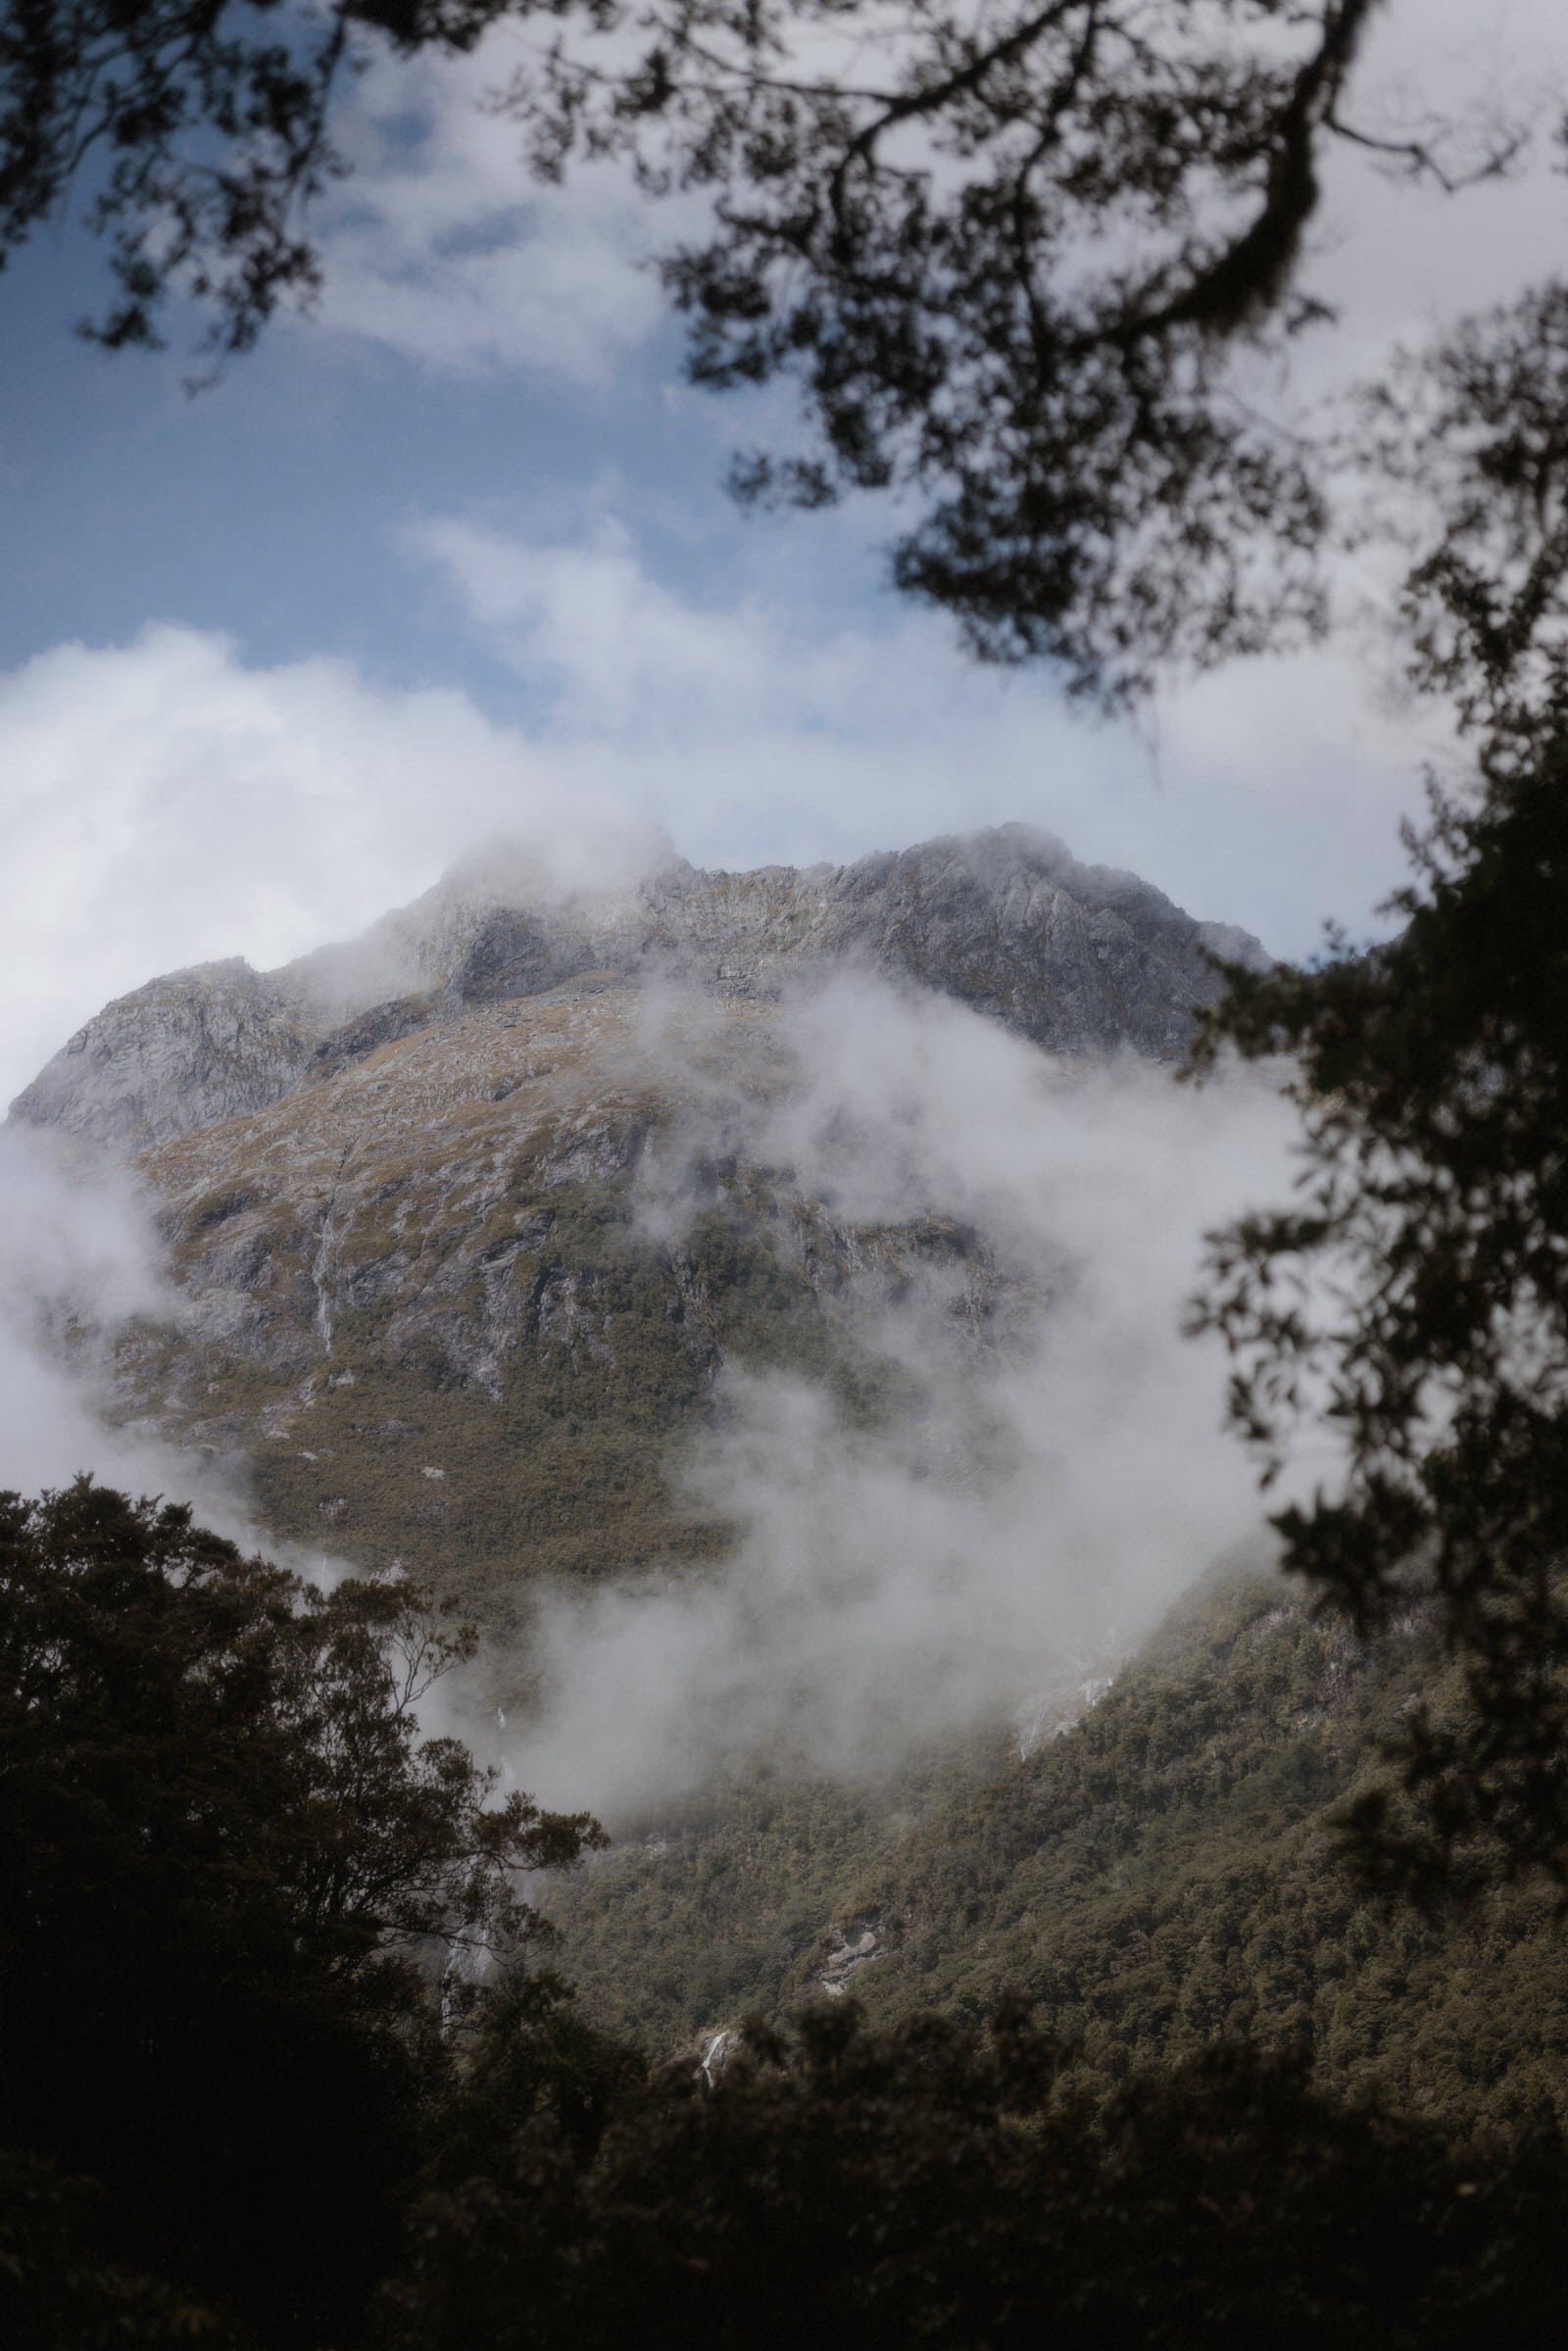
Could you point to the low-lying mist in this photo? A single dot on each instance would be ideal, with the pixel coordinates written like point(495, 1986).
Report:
point(1048, 1470)
point(78, 1257)
point(80, 1261)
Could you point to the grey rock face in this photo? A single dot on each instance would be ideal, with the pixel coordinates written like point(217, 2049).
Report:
point(1082, 959)
point(847, 1956)
point(184, 1052)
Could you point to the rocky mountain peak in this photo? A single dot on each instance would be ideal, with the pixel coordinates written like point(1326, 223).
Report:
point(1081, 959)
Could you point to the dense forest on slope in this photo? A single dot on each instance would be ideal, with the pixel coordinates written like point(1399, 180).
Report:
point(1163, 1875)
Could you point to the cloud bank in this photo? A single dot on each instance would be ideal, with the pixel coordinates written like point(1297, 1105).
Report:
point(166, 804)
point(1051, 1471)
point(1041, 1492)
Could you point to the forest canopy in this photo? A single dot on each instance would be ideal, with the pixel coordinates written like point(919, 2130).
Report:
point(235, 1880)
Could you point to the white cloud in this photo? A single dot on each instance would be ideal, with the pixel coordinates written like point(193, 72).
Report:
point(164, 804)
point(78, 1251)
point(441, 247)
point(753, 730)
point(80, 1264)
point(1401, 255)
point(616, 648)
point(1038, 1498)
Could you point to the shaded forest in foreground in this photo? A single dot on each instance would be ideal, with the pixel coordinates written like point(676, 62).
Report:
point(258, 2089)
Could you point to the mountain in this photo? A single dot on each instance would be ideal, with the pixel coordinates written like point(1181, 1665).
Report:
point(1079, 958)
point(473, 1222)
point(399, 1180)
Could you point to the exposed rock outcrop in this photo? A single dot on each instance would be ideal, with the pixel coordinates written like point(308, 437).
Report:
point(1082, 959)
point(468, 1214)
point(847, 1954)
point(181, 1053)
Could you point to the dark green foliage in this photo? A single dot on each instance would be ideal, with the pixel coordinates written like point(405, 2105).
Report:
point(855, 2190)
point(224, 1851)
point(60, 2292)
point(530, 2055)
point(723, 1908)
point(1472, 437)
point(228, 2112)
point(1166, 1876)
point(1169, 1874)
point(1414, 1299)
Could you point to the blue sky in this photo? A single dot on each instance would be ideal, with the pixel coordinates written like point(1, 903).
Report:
point(272, 505)
point(454, 556)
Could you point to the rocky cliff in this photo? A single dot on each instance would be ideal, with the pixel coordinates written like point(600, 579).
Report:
point(402, 1181)
point(438, 1304)
point(1079, 958)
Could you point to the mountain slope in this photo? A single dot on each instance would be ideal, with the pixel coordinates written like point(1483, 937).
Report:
point(426, 1304)
point(1160, 1876)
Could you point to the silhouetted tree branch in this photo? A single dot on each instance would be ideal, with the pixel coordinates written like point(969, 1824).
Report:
point(1414, 1299)
point(1009, 255)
